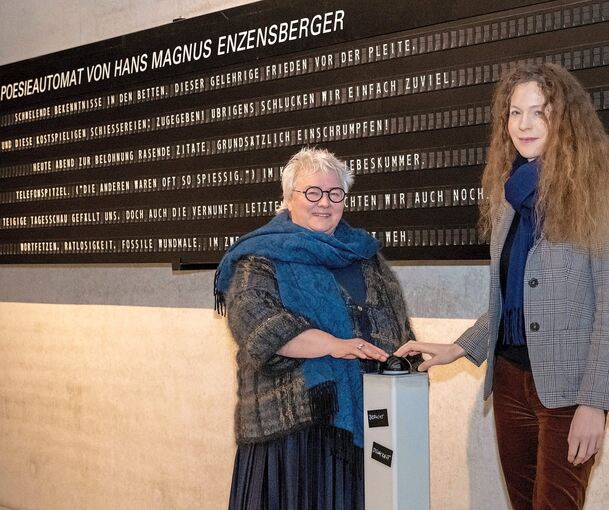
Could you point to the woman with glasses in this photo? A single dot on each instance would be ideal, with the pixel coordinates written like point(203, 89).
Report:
point(311, 304)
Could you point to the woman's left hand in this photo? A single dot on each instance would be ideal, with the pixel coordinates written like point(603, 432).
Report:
point(586, 434)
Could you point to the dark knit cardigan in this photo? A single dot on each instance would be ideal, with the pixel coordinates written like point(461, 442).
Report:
point(272, 398)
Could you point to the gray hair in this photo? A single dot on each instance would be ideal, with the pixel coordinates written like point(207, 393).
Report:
point(311, 161)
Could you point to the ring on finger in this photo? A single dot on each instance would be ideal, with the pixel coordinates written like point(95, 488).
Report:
point(360, 347)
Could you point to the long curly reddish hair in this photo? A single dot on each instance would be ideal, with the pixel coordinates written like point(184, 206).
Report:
point(573, 193)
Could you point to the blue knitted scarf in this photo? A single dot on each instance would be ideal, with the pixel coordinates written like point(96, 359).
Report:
point(521, 193)
point(303, 259)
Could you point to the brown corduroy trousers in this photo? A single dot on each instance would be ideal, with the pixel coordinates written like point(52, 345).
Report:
point(533, 445)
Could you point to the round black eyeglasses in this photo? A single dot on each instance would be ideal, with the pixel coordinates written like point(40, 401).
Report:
point(314, 194)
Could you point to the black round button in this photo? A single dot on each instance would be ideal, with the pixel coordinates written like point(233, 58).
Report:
point(534, 326)
point(533, 282)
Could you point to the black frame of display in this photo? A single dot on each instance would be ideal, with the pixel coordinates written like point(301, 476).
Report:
point(162, 159)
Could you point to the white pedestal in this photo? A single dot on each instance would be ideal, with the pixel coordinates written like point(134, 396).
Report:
point(396, 441)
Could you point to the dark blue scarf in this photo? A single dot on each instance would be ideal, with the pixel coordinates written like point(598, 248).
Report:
point(303, 259)
point(521, 193)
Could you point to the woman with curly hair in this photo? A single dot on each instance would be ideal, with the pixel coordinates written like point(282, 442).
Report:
point(546, 333)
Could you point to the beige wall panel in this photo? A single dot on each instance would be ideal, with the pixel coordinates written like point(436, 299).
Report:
point(465, 471)
point(131, 408)
point(114, 407)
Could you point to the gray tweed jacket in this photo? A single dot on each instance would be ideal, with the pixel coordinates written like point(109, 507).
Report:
point(272, 398)
point(566, 315)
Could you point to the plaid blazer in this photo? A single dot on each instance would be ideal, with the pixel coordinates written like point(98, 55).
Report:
point(566, 315)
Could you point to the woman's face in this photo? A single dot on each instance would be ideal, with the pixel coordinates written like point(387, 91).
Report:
point(526, 123)
point(322, 216)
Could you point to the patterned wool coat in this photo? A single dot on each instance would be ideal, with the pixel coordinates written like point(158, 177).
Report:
point(272, 398)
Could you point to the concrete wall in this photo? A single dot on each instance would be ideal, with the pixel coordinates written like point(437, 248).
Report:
point(36, 27)
point(117, 382)
point(114, 407)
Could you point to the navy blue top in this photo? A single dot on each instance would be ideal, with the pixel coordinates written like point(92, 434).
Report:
point(517, 353)
point(351, 279)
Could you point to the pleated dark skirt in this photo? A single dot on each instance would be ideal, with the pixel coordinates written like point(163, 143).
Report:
point(300, 471)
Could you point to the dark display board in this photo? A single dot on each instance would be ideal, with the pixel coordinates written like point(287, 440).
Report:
point(166, 145)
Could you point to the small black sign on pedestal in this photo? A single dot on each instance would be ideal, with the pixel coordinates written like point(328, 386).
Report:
point(382, 454)
point(378, 418)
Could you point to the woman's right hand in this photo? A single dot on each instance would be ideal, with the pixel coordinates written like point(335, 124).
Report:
point(315, 343)
point(356, 348)
point(440, 354)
